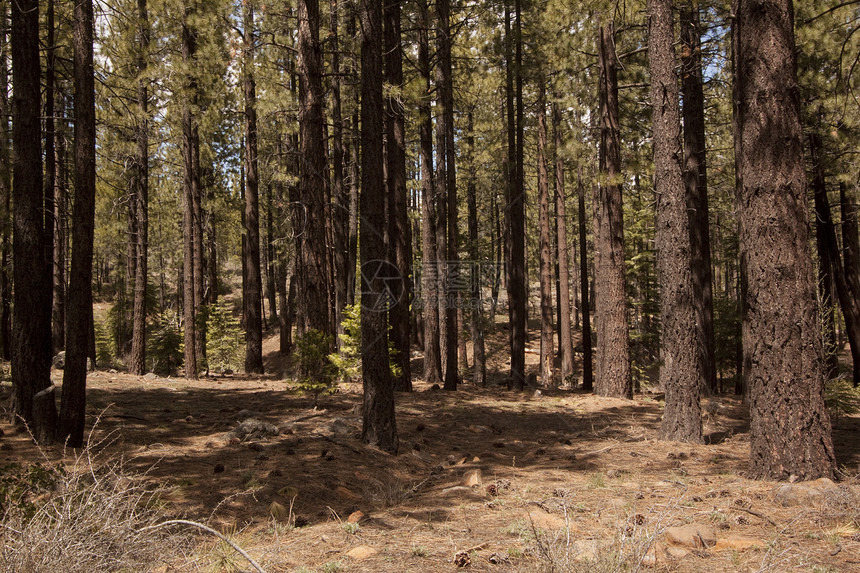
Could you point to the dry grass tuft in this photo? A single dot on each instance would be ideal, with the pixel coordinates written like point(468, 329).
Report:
point(91, 516)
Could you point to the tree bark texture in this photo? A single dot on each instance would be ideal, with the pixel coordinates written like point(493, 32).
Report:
point(476, 306)
point(515, 209)
point(696, 182)
point(191, 184)
point(585, 303)
point(137, 363)
point(5, 194)
point(254, 285)
point(429, 275)
point(379, 427)
point(80, 300)
point(313, 180)
point(565, 339)
point(547, 351)
point(613, 355)
point(680, 339)
point(851, 260)
point(784, 366)
point(447, 178)
point(31, 326)
point(400, 251)
point(831, 267)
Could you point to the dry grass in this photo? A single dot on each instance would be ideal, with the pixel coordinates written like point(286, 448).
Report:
point(88, 516)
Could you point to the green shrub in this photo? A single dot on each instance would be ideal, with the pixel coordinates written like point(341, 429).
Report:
point(223, 337)
point(164, 349)
point(316, 372)
point(348, 359)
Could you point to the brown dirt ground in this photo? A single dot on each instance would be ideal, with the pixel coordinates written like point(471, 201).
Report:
point(593, 465)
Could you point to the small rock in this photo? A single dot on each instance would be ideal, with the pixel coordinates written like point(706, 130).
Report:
point(150, 376)
point(612, 474)
point(693, 536)
point(472, 478)
point(362, 552)
point(189, 418)
point(355, 517)
point(804, 493)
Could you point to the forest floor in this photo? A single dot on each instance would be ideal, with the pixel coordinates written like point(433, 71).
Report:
point(510, 481)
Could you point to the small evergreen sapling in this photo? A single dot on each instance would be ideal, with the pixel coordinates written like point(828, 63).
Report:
point(316, 372)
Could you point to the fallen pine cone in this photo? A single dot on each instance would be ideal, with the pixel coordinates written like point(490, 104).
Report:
point(492, 490)
point(462, 559)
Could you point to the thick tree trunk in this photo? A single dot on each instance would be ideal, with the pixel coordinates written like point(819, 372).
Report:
point(476, 304)
point(31, 327)
point(613, 355)
point(253, 294)
point(429, 274)
point(80, 301)
point(585, 303)
point(313, 181)
point(271, 289)
point(696, 182)
point(681, 372)
point(400, 244)
point(565, 338)
point(547, 352)
point(137, 363)
point(790, 430)
point(379, 427)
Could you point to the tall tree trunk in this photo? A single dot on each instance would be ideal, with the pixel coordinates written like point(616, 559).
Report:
point(271, 289)
point(429, 275)
point(613, 355)
point(850, 259)
point(138, 338)
point(565, 342)
point(476, 306)
point(80, 301)
point(354, 176)
point(191, 183)
point(585, 304)
point(50, 135)
point(339, 191)
point(826, 279)
point(681, 372)
point(547, 352)
point(790, 430)
point(834, 269)
point(379, 427)
point(696, 182)
point(253, 319)
point(400, 244)
point(31, 326)
point(313, 182)
point(516, 215)
point(446, 178)
point(5, 194)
